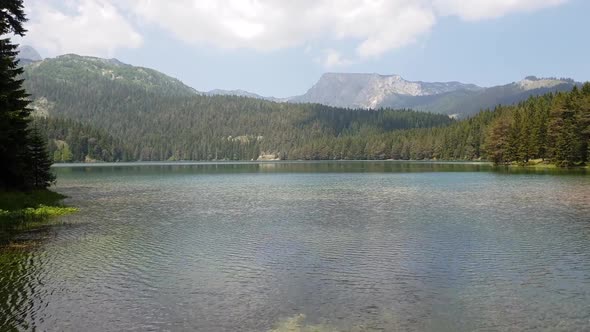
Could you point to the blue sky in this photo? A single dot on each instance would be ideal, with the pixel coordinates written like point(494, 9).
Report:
point(280, 48)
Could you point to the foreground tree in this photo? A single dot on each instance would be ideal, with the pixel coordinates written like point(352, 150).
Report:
point(38, 162)
point(14, 114)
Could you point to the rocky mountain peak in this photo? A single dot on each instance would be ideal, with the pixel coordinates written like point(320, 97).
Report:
point(28, 54)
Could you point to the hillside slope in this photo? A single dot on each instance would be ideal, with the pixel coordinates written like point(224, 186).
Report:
point(373, 91)
point(159, 118)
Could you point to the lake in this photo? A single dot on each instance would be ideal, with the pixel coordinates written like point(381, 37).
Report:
point(345, 246)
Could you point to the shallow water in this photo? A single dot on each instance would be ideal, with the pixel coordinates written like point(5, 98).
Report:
point(350, 245)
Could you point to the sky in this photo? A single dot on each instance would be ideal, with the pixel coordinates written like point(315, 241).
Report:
point(281, 47)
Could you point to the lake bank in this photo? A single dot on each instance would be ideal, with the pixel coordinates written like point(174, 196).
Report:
point(532, 164)
point(26, 211)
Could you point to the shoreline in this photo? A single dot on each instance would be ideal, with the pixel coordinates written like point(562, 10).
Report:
point(22, 212)
point(533, 164)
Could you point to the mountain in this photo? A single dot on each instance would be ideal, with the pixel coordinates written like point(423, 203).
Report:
point(373, 91)
point(102, 109)
point(27, 55)
point(73, 69)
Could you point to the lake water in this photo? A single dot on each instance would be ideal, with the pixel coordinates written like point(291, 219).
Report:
point(345, 246)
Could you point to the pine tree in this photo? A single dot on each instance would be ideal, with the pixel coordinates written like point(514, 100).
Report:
point(38, 162)
point(14, 114)
point(497, 141)
point(583, 120)
point(562, 131)
point(513, 150)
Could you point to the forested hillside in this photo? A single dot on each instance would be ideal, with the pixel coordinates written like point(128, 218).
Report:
point(119, 113)
point(93, 109)
point(553, 127)
point(71, 141)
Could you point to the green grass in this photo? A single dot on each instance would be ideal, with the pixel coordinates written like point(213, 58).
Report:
point(543, 164)
point(21, 211)
point(17, 200)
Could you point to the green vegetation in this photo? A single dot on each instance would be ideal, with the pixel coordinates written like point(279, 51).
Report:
point(88, 113)
point(102, 110)
point(24, 161)
point(71, 141)
point(27, 210)
point(554, 128)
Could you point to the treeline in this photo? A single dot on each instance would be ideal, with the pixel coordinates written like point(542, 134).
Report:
point(147, 119)
point(72, 141)
point(554, 128)
point(103, 110)
point(24, 163)
point(219, 135)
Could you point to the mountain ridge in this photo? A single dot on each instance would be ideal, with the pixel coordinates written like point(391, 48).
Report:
point(345, 90)
point(27, 55)
point(374, 91)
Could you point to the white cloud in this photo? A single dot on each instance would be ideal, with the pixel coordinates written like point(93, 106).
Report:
point(374, 26)
point(331, 58)
point(88, 27)
point(266, 25)
point(474, 10)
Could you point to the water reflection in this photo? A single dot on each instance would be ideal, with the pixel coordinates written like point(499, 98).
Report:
point(305, 167)
point(348, 246)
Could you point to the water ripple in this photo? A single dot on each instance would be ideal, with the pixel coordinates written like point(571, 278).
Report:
point(173, 249)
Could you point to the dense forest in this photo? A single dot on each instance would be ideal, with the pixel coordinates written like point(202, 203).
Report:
point(553, 127)
point(71, 141)
point(24, 163)
point(102, 110)
point(96, 109)
point(241, 129)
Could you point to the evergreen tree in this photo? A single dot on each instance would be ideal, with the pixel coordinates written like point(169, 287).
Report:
point(14, 114)
point(514, 144)
point(562, 131)
point(496, 143)
point(38, 162)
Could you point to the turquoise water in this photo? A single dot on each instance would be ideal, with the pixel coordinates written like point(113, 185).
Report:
point(346, 246)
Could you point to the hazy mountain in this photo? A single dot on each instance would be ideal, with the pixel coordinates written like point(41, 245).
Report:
point(76, 69)
point(27, 55)
point(373, 91)
point(102, 109)
point(364, 91)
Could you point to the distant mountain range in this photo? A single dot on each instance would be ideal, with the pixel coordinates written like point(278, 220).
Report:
point(345, 90)
point(456, 99)
point(373, 91)
point(27, 55)
point(101, 109)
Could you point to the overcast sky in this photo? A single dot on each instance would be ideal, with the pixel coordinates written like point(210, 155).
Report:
point(281, 47)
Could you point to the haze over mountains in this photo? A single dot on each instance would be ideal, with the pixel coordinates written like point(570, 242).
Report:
point(27, 55)
point(373, 91)
point(94, 109)
point(351, 90)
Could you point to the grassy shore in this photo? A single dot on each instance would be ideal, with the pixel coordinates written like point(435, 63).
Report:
point(543, 164)
point(22, 211)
